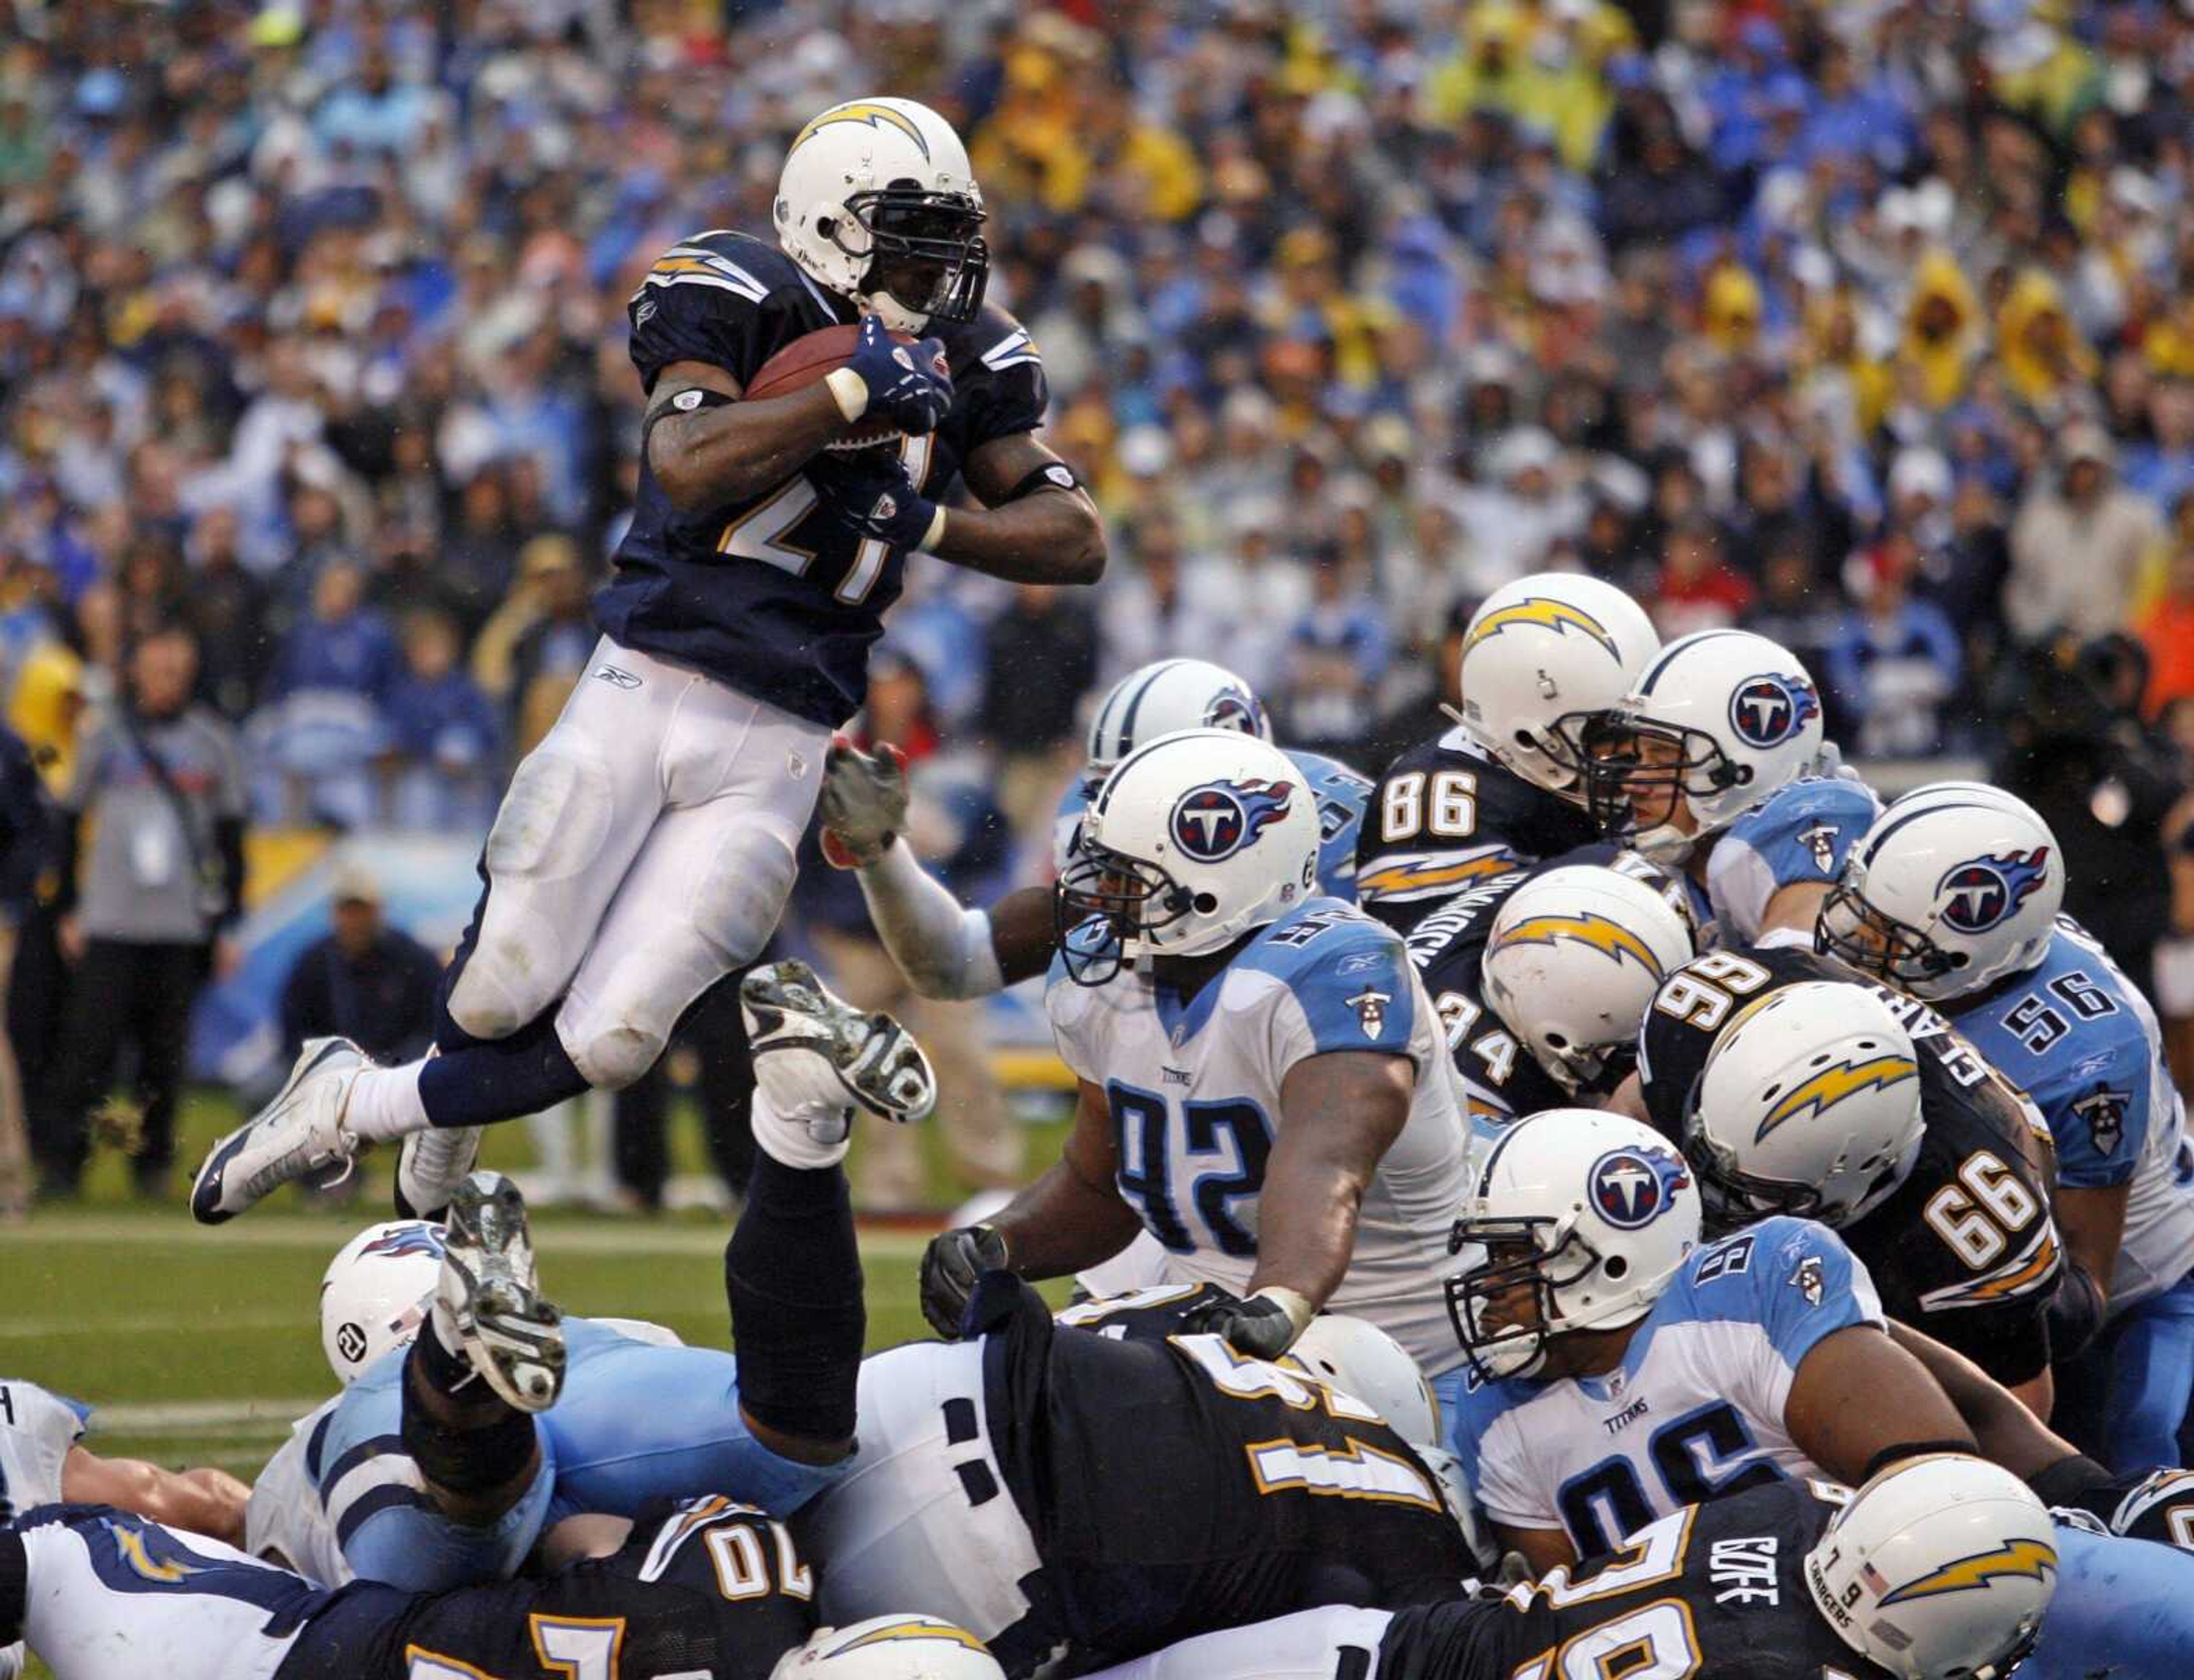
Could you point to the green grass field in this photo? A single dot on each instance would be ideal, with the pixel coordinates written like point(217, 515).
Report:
point(201, 1346)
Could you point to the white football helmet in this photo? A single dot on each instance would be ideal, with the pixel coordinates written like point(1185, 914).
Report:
point(1356, 1357)
point(1571, 966)
point(877, 203)
point(1164, 697)
point(376, 1293)
point(1551, 647)
point(1809, 1104)
point(1592, 1212)
point(1940, 1568)
point(1719, 720)
point(1950, 891)
point(891, 1648)
point(1194, 840)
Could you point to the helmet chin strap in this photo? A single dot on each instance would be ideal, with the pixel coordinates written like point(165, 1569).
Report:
point(896, 315)
point(1664, 843)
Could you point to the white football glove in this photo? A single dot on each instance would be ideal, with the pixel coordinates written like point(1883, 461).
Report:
point(863, 803)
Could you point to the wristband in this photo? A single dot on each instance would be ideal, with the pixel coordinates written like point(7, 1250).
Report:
point(850, 391)
point(1292, 1301)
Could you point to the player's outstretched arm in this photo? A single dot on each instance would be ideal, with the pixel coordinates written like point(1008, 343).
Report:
point(728, 450)
point(1037, 523)
point(2006, 1430)
point(208, 1502)
point(1858, 1401)
point(1340, 1113)
point(1072, 1217)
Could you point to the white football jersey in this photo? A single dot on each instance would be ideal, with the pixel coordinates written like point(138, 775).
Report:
point(36, 1431)
point(1194, 1091)
point(285, 1522)
point(1695, 1410)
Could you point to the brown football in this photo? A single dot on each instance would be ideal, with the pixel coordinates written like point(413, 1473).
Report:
point(808, 360)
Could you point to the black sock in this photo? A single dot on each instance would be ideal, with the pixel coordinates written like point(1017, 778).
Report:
point(501, 1079)
point(792, 1277)
point(468, 1442)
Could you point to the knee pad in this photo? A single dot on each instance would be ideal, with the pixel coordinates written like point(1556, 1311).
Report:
point(613, 1054)
point(511, 977)
point(553, 819)
point(737, 903)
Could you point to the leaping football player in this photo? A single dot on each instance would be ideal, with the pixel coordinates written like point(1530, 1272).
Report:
point(646, 848)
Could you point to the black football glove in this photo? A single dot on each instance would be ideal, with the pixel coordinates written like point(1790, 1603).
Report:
point(908, 384)
point(871, 492)
point(950, 1268)
point(1263, 1327)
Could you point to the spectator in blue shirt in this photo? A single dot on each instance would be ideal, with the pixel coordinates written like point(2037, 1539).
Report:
point(344, 647)
point(445, 732)
point(1897, 661)
point(1337, 653)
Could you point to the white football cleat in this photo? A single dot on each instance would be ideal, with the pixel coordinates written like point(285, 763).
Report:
point(296, 1134)
point(816, 1056)
point(431, 1166)
point(489, 1301)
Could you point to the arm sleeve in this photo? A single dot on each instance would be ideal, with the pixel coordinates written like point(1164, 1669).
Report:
point(2100, 1117)
point(1802, 835)
point(1805, 1285)
point(1356, 992)
point(1002, 389)
point(699, 305)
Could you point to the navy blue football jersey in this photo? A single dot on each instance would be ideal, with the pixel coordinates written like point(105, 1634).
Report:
point(1501, 1078)
point(1965, 1248)
point(1174, 1486)
point(1448, 816)
point(777, 596)
point(1716, 1591)
point(707, 1589)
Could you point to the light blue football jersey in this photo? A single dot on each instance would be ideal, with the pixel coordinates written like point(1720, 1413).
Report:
point(1799, 834)
point(1694, 1411)
point(1340, 793)
point(636, 1421)
point(2080, 1039)
point(1194, 1092)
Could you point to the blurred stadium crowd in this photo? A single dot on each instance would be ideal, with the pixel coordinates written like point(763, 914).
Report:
point(1869, 326)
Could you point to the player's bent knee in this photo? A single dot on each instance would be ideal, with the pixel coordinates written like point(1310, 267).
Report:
point(614, 1056)
point(509, 979)
point(553, 819)
point(737, 903)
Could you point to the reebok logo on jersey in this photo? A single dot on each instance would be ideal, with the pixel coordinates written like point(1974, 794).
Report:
point(1767, 710)
point(2013, 1558)
point(1980, 894)
point(1821, 1092)
point(1538, 610)
point(617, 677)
point(1212, 822)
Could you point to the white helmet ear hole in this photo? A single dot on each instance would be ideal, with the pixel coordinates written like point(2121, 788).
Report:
point(1557, 1041)
point(1616, 1266)
point(826, 226)
point(1204, 904)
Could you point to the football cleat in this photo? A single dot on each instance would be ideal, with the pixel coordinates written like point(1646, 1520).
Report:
point(432, 1166)
point(488, 1303)
point(816, 1054)
point(298, 1134)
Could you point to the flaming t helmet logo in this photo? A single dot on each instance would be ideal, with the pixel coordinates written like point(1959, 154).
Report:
point(1986, 892)
point(1767, 710)
point(1632, 1188)
point(1215, 821)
